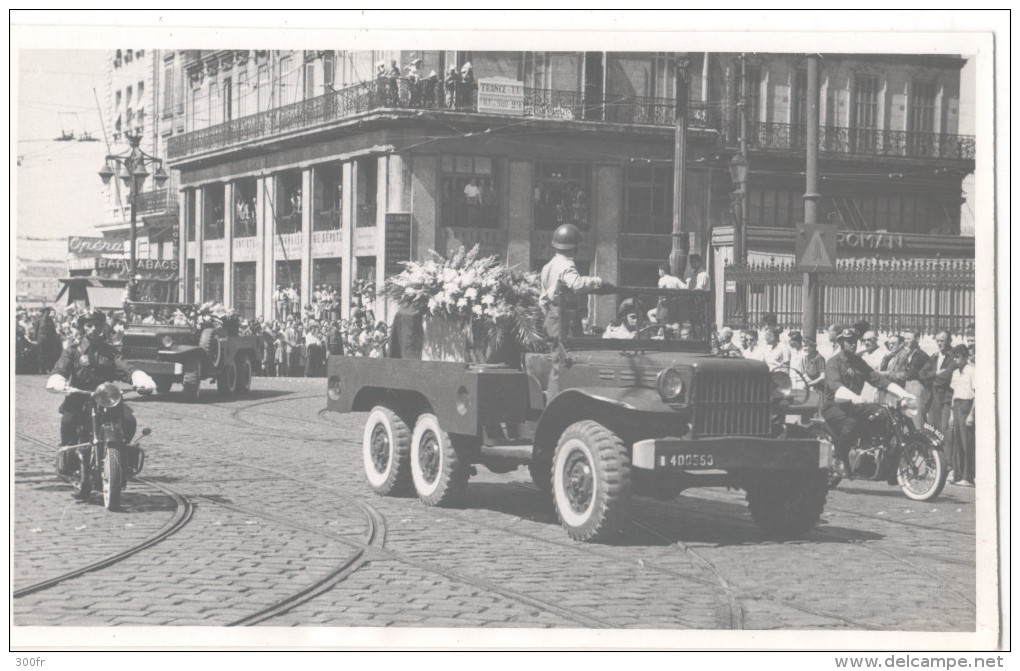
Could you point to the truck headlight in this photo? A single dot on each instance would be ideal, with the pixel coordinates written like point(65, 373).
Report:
point(782, 387)
point(333, 388)
point(107, 395)
point(670, 384)
point(168, 342)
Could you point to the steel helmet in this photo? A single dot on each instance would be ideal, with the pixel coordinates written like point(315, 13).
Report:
point(92, 315)
point(566, 237)
point(847, 334)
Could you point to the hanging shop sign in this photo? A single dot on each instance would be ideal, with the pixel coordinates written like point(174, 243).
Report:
point(500, 96)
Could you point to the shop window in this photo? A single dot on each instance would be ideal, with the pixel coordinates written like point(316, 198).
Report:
point(212, 282)
point(471, 191)
point(648, 199)
point(289, 201)
point(561, 195)
point(244, 289)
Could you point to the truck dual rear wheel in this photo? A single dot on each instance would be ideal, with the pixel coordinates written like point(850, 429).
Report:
point(244, 374)
point(385, 452)
point(591, 481)
point(438, 466)
point(226, 381)
point(788, 507)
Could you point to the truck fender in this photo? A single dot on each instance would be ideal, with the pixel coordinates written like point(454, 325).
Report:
point(617, 408)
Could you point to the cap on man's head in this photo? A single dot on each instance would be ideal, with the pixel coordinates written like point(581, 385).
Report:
point(795, 335)
point(870, 335)
point(961, 350)
point(847, 334)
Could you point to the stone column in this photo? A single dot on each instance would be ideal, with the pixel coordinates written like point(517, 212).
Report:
point(199, 243)
point(265, 201)
point(347, 228)
point(520, 203)
point(306, 236)
point(381, 202)
point(424, 235)
point(228, 242)
point(606, 229)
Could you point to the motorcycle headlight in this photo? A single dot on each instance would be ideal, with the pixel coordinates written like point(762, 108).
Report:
point(333, 388)
point(168, 342)
point(908, 407)
point(107, 396)
point(670, 384)
point(782, 387)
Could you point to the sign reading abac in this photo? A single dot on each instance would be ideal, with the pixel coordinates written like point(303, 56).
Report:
point(82, 246)
point(816, 247)
point(398, 241)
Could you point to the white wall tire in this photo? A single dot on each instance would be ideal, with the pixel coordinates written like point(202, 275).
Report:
point(439, 468)
point(591, 482)
point(385, 451)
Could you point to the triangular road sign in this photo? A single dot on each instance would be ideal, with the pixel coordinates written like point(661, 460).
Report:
point(816, 247)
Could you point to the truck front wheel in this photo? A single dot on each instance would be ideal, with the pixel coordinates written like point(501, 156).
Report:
point(192, 380)
point(439, 467)
point(788, 507)
point(591, 481)
point(385, 450)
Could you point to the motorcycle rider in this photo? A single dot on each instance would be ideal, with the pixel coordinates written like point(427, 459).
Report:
point(86, 366)
point(843, 408)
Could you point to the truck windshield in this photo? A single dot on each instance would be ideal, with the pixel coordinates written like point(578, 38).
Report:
point(627, 317)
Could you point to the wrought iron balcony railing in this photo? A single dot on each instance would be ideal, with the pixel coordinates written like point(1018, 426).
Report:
point(158, 201)
point(839, 140)
point(366, 97)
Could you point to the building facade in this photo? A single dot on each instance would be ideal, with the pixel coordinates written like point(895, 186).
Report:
point(133, 93)
point(312, 168)
point(38, 281)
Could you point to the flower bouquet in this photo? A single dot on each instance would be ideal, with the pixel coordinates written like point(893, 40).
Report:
point(216, 316)
point(471, 307)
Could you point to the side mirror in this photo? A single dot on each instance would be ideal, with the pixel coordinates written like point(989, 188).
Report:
point(146, 431)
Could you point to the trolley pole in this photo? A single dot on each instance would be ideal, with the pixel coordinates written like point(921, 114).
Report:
point(812, 290)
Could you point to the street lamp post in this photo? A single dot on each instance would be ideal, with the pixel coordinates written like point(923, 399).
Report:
point(130, 167)
point(738, 173)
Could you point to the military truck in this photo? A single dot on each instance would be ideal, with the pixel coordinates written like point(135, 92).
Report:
point(611, 412)
point(189, 349)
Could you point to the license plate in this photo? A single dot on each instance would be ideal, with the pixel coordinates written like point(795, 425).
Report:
point(938, 434)
point(687, 460)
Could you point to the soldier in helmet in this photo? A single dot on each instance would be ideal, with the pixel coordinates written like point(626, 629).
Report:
point(87, 366)
point(561, 273)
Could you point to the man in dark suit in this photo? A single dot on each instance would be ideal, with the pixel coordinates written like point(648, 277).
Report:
point(915, 361)
point(936, 376)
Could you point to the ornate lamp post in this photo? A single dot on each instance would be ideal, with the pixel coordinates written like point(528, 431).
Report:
point(130, 167)
point(738, 173)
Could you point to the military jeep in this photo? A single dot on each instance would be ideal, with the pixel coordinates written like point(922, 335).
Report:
point(613, 411)
point(187, 353)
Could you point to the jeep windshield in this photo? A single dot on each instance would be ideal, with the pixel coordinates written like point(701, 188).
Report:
point(629, 318)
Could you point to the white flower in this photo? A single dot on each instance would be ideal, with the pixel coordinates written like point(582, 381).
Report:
point(471, 293)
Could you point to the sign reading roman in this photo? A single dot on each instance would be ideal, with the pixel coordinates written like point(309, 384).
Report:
point(82, 246)
point(497, 95)
point(816, 247)
point(869, 240)
point(398, 241)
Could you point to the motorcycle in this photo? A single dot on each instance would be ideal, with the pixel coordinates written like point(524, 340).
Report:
point(101, 460)
point(890, 449)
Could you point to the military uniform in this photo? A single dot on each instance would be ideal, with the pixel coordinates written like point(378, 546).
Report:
point(845, 418)
point(85, 367)
point(558, 274)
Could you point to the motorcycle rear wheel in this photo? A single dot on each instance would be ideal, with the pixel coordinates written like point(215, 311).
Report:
point(921, 472)
point(113, 478)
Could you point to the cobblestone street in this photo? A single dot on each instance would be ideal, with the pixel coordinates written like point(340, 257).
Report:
point(284, 531)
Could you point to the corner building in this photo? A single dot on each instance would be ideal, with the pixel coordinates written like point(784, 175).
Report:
point(306, 168)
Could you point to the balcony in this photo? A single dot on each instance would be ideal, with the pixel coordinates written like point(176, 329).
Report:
point(158, 201)
point(327, 220)
point(367, 97)
point(867, 142)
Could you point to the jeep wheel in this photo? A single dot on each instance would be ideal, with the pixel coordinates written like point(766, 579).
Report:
point(210, 343)
point(788, 507)
point(244, 374)
point(439, 467)
point(226, 381)
point(591, 481)
point(192, 380)
point(163, 384)
point(385, 452)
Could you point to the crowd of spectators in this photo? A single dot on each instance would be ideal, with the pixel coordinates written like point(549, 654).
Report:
point(412, 87)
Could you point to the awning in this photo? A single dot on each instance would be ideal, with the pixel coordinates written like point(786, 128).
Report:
point(106, 297)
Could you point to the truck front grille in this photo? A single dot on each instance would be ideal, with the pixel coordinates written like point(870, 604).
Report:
point(139, 347)
point(728, 405)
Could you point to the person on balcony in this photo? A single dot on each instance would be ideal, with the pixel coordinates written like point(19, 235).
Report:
point(669, 281)
point(414, 82)
point(393, 77)
point(451, 83)
point(466, 90)
point(472, 194)
point(429, 90)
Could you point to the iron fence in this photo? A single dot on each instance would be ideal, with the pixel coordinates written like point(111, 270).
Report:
point(923, 295)
point(835, 139)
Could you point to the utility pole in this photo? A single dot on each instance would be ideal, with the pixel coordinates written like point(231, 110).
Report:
point(812, 289)
point(678, 251)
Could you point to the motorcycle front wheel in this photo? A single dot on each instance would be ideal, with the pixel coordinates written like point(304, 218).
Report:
point(81, 479)
point(922, 470)
point(113, 478)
